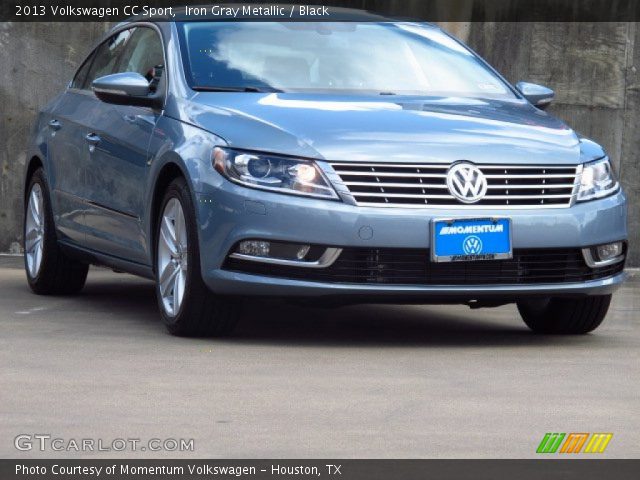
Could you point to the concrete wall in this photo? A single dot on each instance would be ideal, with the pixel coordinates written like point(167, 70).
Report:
point(36, 62)
point(592, 67)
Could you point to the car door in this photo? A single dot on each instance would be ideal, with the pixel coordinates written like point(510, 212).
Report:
point(117, 139)
point(66, 154)
point(68, 151)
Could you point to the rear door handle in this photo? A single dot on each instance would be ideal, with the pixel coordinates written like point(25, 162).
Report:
point(55, 125)
point(92, 139)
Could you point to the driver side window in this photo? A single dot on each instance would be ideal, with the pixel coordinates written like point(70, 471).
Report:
point(134, 50)
point(143, 54)
point(107, 57)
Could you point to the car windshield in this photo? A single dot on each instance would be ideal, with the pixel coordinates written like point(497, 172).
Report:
point(381, 58)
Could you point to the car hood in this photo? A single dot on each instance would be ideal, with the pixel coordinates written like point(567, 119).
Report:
point(386, 128)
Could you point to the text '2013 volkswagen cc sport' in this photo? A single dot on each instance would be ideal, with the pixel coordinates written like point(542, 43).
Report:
point(355, 162)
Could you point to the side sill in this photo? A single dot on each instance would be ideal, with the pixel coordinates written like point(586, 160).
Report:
point(96, 258)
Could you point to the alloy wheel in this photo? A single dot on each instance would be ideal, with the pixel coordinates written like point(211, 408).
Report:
point(172, 257)
point(34, 230)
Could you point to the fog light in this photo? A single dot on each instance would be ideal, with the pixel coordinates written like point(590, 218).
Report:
point(608, 251)
point(281, 250)
point(603, 255)
point(256, 248)
point(284, 253)
point(302, 251)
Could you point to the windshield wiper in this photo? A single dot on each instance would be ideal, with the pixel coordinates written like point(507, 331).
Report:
point(206, 88)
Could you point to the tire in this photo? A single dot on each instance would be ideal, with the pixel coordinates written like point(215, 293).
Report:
point(49, 271)
point(179, 281)
point(570, 316)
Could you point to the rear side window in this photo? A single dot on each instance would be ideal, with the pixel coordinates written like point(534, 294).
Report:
point(107, 57)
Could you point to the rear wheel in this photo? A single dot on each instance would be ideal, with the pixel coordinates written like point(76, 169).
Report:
point(49, 270)
point(564, 315)
point(187, 306)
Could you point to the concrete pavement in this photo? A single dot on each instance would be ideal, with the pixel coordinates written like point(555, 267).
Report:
point(296, 382)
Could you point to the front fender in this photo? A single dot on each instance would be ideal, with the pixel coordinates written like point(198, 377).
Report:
point(176, 145)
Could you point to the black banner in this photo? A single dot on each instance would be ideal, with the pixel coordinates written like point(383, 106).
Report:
point(330, 10)
point(577, 469)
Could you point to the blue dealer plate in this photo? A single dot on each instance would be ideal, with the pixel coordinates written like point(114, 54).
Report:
point(471, 239)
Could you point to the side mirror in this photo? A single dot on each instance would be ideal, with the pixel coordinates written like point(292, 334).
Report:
point(128, 88)
point(538, 95)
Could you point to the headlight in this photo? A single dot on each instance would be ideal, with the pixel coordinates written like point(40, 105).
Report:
point(272, 172)
point(597, 180)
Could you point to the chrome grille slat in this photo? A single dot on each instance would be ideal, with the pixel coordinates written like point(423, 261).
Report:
point(382, 165)
point(488, 197)
point(446, 167)
point(551, 175)
point(432, 185)
point(393, 174)
point(522, 197)
point(391, 185)
point(407, 185)
point(404, 195)
point(528, 186)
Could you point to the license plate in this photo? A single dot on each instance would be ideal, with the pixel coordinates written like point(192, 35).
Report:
point(470, 239)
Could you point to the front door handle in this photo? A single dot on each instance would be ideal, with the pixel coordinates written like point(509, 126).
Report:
point(55, 124)
point(92, 139)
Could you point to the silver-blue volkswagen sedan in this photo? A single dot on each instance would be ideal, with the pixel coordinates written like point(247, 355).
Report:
point(342, 162)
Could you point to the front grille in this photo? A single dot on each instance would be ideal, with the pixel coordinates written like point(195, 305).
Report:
point(413, 267)
point(425, 185)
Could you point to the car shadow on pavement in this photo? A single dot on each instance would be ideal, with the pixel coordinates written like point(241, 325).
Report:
point(279, 323)
point(390, 325)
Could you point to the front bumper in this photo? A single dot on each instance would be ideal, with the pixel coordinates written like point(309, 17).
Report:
point(228, 213)
point(236, 283)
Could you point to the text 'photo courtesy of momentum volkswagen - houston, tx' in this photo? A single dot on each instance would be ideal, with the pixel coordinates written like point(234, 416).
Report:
point(353, 162)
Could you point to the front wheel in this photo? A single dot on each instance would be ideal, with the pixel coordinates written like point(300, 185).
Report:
point(187, 306)
point(564, 315)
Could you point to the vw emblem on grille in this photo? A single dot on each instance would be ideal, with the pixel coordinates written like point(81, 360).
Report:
point(472, 245)
point(466, 182)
